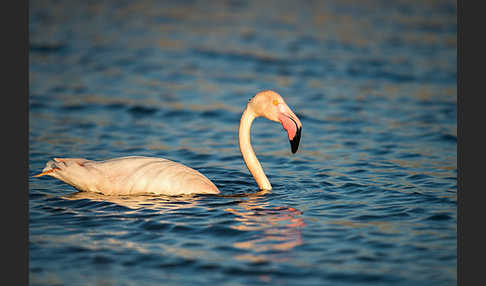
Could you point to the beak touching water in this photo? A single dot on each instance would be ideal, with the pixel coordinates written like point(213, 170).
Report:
point(291, 124)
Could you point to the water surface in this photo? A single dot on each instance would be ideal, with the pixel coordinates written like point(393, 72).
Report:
point(369, 198)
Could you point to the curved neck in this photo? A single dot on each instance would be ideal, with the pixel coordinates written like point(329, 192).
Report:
point(247, 152)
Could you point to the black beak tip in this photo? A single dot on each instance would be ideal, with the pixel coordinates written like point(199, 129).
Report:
point(294, 143)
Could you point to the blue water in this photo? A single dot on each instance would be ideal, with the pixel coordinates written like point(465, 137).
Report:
point(369, 198)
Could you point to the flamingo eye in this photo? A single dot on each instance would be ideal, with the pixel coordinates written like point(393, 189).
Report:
point(275, 102)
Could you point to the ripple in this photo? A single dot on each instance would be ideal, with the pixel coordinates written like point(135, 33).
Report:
point(101, 259)
point(155, 226)
point(47, 48)
point(449, 138)
point(223, 231)
point(439, 217)
point(361, 278)
point(419, 177)
point(142, 110)
point(176, 263)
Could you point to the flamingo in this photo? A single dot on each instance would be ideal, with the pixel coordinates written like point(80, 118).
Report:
point(138, 174)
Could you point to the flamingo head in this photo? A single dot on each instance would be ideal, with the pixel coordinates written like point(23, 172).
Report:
point(272, 106)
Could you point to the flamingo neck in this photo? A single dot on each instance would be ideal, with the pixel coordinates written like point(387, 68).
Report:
point(247, 152)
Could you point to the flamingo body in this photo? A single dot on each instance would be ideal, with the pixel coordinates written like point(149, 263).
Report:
point(130, 175)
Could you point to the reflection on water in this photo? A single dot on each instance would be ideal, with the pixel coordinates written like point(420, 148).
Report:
point(369, 199)
point(278, 230)
point(138, 201)
point(279, 226)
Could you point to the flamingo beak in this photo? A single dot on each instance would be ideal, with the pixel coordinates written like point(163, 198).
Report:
point(291, 124)
point(294, 144)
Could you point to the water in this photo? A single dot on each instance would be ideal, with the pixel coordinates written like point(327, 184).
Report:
point(369, 199)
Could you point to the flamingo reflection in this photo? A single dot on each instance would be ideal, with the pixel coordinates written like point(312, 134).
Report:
point(278, 228)
point(148, 201)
